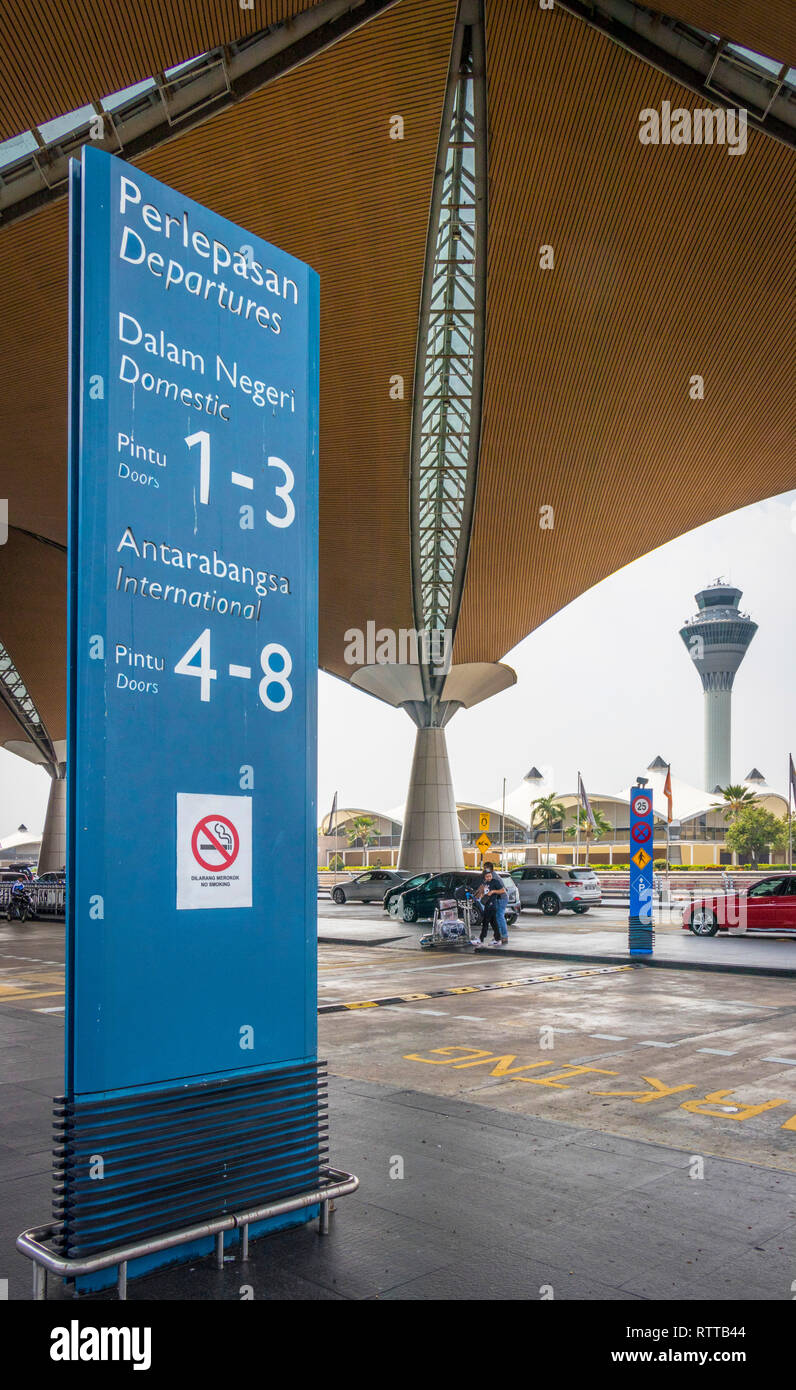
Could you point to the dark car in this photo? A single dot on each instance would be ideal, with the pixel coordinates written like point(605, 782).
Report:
point(767, 906)
point(413, 881)
point(417, 903)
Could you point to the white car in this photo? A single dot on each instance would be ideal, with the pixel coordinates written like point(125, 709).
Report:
point(367, 887)
point(551, 889)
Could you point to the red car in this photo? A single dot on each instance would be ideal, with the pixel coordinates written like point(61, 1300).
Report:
point(768, 905)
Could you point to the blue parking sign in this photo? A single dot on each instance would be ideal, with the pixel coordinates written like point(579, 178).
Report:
point(640, 928)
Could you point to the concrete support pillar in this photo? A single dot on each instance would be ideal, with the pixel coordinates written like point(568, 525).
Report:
point(431, 838)
point(718, 723)
point(53, 842)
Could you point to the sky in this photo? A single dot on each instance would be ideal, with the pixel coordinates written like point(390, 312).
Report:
point(594, 694)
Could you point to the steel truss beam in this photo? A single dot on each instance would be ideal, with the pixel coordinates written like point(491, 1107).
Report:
point(446, 415)
point(181, 101)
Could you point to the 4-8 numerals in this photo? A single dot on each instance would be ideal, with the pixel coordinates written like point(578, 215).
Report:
point(276, 663)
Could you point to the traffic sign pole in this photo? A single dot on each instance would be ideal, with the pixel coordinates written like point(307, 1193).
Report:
point(640, 928)
point(483, 843)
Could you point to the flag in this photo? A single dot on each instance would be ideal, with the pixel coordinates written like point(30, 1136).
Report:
point(332, 814)
point(792, 771)
point(585, 801)
point(667, 791)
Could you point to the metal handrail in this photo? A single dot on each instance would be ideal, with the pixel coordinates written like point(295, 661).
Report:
point(31, 1242)
point(47, 898)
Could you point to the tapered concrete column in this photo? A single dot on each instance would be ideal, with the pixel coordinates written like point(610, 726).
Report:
point(53, 842)
point(431, 838)
point(718, 724)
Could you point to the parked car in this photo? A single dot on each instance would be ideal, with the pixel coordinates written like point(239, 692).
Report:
point(551, 889)
point(416, 903)
point(10, 875)
point(366, 887)
point(394, 890)
point(53, 876)
point(766, 906)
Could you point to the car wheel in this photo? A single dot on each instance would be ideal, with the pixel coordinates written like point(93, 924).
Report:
point(580, 909)
point(511, 918)
point(338, 896)
point(703, 922)
point(367, 900)
point(410, 912)
point(549, 904)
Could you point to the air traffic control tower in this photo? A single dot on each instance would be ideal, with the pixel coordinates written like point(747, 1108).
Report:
point(717, 638)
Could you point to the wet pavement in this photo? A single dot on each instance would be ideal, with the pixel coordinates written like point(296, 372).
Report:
point(600, 936)
point(517, 1124)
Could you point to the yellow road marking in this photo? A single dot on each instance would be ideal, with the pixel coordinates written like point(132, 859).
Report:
point(27, 994)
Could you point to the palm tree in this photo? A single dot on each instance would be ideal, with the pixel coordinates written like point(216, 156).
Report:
point(547, 812)
point(735, 798)
point(362, 828)
point(588, 831)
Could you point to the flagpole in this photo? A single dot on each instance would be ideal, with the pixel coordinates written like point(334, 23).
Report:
point(329, 829)
point(791, 778)
point(577, 830)
point(667, 789)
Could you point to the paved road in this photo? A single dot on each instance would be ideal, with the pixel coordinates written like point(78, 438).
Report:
point(600, 936)
point(517, 1125)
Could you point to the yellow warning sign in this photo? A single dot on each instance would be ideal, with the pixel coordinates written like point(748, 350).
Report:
point(641, 858)
point(483, 843)
point(483, 820)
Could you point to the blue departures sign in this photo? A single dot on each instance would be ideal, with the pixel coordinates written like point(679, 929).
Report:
point(641, 851)
point(193, 631)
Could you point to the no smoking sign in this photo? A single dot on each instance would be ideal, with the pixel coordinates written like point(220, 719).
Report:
point(214, 851)
point(215, 843)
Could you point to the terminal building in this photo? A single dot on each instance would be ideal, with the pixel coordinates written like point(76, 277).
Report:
point(697, 835)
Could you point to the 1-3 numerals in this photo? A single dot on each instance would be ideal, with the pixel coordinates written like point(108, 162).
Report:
point(282, 490)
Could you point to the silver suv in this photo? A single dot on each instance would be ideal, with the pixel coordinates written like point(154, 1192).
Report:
point(575, 890)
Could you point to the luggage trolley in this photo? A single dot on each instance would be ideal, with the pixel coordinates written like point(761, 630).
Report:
point(448, 928)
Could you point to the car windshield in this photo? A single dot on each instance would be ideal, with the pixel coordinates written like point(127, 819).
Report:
point(582, 873)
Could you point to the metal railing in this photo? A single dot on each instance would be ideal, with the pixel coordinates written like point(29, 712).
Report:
point(49, 899)
point(31, 1243)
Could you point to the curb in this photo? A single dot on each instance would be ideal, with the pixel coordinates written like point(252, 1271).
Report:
point(716, 967)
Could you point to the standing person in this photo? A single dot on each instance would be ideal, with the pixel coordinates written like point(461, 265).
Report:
point(492, 893)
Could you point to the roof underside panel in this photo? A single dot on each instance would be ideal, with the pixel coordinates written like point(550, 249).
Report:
point(58, 57)
point(670, 262)
point(766, 26)
point(308, 164)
